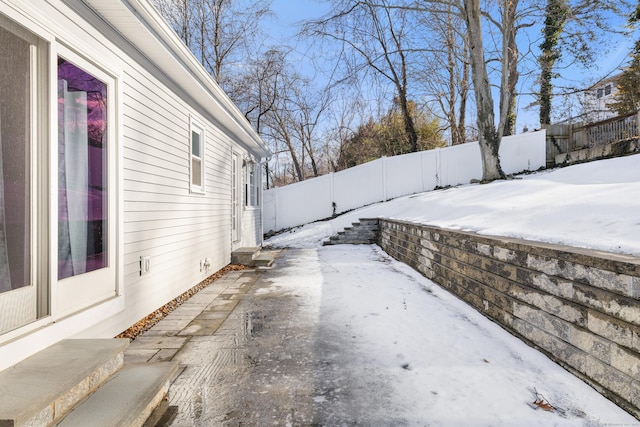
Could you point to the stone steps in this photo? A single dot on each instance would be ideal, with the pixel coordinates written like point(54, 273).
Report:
point(127, 399)
point(253, 257)
point(364, 232)
point(59, 380)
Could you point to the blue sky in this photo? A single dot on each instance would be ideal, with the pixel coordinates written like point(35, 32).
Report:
point(289, 13)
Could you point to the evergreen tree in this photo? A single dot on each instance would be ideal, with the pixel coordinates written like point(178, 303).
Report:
point(388, 137)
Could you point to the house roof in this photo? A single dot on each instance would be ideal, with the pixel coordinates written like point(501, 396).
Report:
point(144, 34)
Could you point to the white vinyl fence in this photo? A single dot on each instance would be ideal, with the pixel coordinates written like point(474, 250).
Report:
point(391, 177)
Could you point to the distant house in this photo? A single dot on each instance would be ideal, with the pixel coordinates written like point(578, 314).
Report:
point(597, 99)
point(594, 103)
point(126, 175)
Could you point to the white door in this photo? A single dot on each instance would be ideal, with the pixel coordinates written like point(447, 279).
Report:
point(23, 285)
point(235, 198)
point(86, 186)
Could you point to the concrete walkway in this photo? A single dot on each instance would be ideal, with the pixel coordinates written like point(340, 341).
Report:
point(288, 346)
point(248, 356)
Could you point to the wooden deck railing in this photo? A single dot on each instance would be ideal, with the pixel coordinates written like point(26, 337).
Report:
point(570, 137)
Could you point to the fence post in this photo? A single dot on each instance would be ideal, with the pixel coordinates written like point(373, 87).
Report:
point(332, 194)
point(384, 178)
point(570, 139)
point(275, 209)
point(422, 155)
point(438, 170)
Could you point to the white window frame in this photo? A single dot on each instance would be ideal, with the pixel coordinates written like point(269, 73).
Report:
point(196, 128)
point(251, 191)
point(71, 294)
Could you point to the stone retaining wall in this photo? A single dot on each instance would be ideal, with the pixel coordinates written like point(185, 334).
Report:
point(605, 151)
point(580, 307)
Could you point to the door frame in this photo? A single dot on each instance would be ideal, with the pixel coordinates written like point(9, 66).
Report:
point(236, 197)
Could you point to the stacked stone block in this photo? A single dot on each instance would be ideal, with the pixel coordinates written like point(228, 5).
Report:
point(580, 307)
point(364, 232)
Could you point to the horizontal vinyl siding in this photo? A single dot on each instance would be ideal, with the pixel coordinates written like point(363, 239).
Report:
point(162, 218)
point(157, 214)
point(251, 221)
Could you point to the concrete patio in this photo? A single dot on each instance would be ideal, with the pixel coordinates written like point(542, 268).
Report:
point(256, 348)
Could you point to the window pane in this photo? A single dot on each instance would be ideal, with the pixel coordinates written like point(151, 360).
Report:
point(196, 172)
point(82, 171)
point(252, 185)
point(195, 144)
point(15, 122)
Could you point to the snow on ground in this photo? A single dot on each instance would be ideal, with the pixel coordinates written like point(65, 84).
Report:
point(416, 355)
point(593, 205)
point(449, 365)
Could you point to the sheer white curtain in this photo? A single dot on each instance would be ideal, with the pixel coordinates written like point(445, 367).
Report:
point(5, 274)
point(73, 176)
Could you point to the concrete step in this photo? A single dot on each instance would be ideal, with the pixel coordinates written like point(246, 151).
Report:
point(263, 260)
point(41, 388)
point(127, 399)
point(245, 256)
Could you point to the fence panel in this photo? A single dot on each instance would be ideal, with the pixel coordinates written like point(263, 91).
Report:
point(520, 152)
point(459, 164)
point(391, 177)
point(358, 186)
point(403, 175)
point(429, 160)
point(269, 210)
point(298, 203)
point(611, 130)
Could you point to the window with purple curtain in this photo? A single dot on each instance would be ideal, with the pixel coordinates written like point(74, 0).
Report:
point(82, 171)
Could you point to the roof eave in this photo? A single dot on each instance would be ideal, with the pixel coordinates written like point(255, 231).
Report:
point(143, 26)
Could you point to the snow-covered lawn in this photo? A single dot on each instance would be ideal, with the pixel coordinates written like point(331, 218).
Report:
point(446, 363)
point(595, 205)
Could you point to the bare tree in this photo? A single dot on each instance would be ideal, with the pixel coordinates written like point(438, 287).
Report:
point(376, 39)
point(445, 73)
point(222, 34)
point(292, 122)
point(489, 137)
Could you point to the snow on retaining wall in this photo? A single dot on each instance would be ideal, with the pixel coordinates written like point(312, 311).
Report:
point(391, 177)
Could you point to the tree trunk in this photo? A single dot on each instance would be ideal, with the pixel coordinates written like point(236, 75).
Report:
point(452, 84)
point(488, 136)
point(409, 126)
point(464, 92)
point(509, 70)
point(556, 17)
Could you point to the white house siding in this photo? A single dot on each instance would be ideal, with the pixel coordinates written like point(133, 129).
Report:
point(162, 219)
point(251, 228)
point(158, 215)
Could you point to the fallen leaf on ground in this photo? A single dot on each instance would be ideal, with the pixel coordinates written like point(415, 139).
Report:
point(541, 402)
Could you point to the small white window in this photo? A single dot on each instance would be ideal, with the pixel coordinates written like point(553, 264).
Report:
point(600, 93)
point(197, 158)
point(251, 185)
